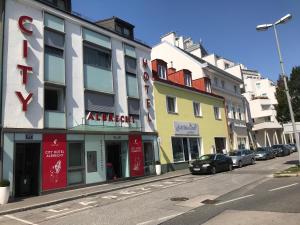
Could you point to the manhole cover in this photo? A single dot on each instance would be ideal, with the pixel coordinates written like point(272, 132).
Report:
point(209, 201)
point(179, 199)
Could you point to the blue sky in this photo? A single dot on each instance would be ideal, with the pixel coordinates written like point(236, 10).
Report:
point(226, 27)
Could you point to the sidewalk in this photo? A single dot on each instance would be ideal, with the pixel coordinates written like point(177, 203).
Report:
point(63, 196)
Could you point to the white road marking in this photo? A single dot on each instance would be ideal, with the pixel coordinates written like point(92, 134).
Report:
point(126, 192)
point(57, 210)
point(168, 182)
point(235, 199)
point(144, 189)
point(137, 194)
point(279, 188)
point(110, 197)
point(20, 220)
point(159, 219)
point(87, 203)
point(171, 185)
point(156, 185)
point(66, 213)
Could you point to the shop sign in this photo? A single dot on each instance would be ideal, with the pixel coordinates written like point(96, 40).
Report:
point(54, 161)
point(186, 128)
point(136, 155)
point(25, 23)
point(109, 117)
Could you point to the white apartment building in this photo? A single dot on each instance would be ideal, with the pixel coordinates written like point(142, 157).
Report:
point(260, 94)
point(211, 71)
point(76, 107)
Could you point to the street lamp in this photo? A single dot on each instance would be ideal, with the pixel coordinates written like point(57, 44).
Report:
point(265, 27)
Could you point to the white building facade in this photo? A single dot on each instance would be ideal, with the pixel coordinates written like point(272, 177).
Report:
point(76, 101)
point(180, 51)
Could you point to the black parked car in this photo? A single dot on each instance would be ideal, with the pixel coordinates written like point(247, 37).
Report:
point(211, 163)
point(294, 148)
point(281, 150)
point(264, 153)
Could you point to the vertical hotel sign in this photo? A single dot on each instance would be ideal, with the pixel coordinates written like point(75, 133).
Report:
point(146, 78)
point(54, 161)
point(136, 155)
point(25, 23)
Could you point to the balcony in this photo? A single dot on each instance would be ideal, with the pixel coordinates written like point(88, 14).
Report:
point(55, 120)
point(266, 125)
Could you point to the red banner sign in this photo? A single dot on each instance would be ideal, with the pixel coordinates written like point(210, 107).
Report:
point(54, 161)
point(136, 155)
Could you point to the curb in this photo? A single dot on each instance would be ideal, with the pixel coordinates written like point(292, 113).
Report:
point(44, 204)
point(286, 175)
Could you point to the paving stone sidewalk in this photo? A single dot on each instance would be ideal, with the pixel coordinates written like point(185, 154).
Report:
point(63, 196)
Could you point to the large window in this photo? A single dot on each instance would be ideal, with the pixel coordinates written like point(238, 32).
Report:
point(54, 99)
point(185, 149)
point(197, 109)
point(130, 64)
point(162, 72)
point(171, 104)
point(217, 113)
point(134, 109)
point(76, 168)
point(132, 85)
point(96, 57)
point(188, 80)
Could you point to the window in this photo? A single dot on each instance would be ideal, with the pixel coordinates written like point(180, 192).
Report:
point(188, 80)
point(235, 89)
point(216, 81)
point(258, 85)
point(130, 64)
point(134, 109)
point(132, 85)
point(197, 109)
point(54, 99)
point(223, 84)
point(171, 104)
point(226, 65)
point(240, 114)
point(76, 168)
point(185, 149)
point(97, 102)
point(162, 72)
point(217, 113)
point(234, 112)
point(96, 57)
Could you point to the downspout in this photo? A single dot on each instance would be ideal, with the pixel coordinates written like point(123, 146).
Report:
point(1, 87)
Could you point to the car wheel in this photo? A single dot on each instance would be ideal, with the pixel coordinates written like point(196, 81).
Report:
point(252, 161)
point(213, 170)
point(240, 165)
point(230, 167)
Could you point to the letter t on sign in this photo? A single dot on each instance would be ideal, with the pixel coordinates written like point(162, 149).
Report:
point(24, 101)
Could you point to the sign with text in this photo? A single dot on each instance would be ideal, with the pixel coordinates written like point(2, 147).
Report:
point(186, 128)
point(136, 155)
point(54, 162)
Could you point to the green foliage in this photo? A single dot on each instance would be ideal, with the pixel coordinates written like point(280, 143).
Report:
point(283, 114)
point(4, 183)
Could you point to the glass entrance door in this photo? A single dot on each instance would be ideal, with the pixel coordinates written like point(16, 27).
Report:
point(149, 158)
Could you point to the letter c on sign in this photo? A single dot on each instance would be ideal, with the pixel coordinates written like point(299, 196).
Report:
point(22, 20)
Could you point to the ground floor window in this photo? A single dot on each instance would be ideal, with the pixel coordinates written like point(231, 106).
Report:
point(241, 142)
point(76, 169)
point(185, 149)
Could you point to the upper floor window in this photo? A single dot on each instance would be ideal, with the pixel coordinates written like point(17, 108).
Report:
point(217, 113)
point(235, 89)
point(223, 84)
point(240, 114)
point(96, 57)
point(233, 112)
point(227, 65)
point(171, 104)
point(197, 109)
point(162, 72)
point(216, 81)
point(54, 99)
point(188, 80)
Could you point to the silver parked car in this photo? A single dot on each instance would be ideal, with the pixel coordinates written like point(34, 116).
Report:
point(242, 157)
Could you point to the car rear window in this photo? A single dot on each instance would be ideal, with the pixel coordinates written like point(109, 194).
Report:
point(235, 153)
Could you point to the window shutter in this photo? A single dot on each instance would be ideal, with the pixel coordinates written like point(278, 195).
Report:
point(134, 106)
point(54, 39)
point(54, 22)
point(99, 102)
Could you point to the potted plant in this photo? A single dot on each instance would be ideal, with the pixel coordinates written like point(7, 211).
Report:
point(4, 191)
point(158, 168)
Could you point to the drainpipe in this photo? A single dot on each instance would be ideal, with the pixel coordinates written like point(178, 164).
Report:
point(2, 2)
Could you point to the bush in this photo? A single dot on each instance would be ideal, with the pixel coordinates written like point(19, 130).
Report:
point(4, 183)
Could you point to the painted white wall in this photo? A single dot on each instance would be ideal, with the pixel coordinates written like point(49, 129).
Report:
point(75, 109)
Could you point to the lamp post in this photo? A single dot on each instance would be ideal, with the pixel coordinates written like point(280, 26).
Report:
point(265, 27)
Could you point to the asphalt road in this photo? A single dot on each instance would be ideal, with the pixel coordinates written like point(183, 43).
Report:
point(154, 203)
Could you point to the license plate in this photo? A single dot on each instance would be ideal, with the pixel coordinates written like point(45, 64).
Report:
point(196, 169)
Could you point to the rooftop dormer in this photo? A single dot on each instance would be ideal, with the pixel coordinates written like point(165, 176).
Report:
point(60, 4)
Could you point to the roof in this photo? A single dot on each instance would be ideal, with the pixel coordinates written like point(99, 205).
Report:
point(77, 16)
point(115, 18)
point(188, 88)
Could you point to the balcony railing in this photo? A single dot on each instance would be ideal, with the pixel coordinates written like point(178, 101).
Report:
point(55, 120)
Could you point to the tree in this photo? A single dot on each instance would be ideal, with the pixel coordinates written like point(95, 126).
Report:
point(282, 108)
point(294, 86)
point(283, 114)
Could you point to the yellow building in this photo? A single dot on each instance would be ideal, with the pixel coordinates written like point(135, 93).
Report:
point(190, 122)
